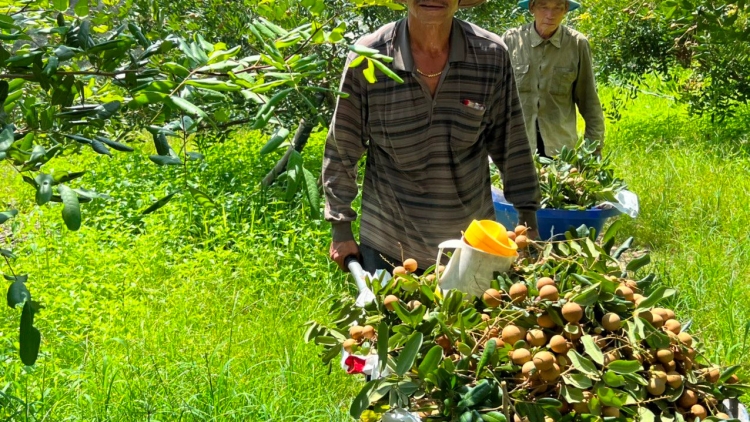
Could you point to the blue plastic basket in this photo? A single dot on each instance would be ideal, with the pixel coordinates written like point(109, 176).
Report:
point(552, 223)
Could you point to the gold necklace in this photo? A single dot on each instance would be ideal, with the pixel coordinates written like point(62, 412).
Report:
point(429, 75)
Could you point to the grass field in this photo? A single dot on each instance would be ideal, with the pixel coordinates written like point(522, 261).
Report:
point(195, 314)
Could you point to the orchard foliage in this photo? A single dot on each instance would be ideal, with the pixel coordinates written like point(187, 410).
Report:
point(701, 49)
point(78, 78)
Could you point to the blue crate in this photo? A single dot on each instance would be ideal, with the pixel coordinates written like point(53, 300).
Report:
point(552, 223)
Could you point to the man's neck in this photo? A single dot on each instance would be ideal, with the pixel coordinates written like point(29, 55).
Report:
point(429, 39)
point(548, 35)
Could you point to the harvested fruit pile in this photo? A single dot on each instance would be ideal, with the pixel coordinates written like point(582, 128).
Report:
point(576, 179)
point(570, 333)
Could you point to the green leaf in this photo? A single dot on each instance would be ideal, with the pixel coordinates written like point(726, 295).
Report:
point(82, 8)
point(386, 71)
point(277, 138)
point(489, 350)
point(357, 61)
point(430, 362)
point(494, 416)
point(578, 380)
point(613, 379)
point(611, 231)
point(645, 415)
point(294, 175)
point(223, 55)
point(332, 353)
point(61, 5)
point(311, 193)
point(6, 138)
point(161, 144)
point(625, 366)
point(264, 113)
point(362, 400)
point(187, 107)
point(108, 45)
point(383, 337)
point(114, 144)
point(477, 395)
point(624, 247)
point(728, 372)
point(138, 34)
point(582, 364)
point(655, 338)
point(362, 50)
point(655, 297)
point(64, 52)
point(17, 294)
point(4, 89)
point(202, 198)
point(638, 263)
point(409, 354)
point(160, 203)
point(44, 184)
point(571, 394)
point(37, 153)
point(66, 177)
point(195, 156)
point(176, 69)
point(592, 349)
point(107, 110)
point(588, 296)
point(100, 148)
point(71, 212)
point(30, 338)
point(213, 85)
point(165, 160)
point(611, 397)
point(147, 97)
point(369, 73)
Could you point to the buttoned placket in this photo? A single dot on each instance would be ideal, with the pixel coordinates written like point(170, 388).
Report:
point(426, 90)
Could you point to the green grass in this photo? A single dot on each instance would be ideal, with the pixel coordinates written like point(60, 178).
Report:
point(192, 314)
point(692, 180)
point(197, 317)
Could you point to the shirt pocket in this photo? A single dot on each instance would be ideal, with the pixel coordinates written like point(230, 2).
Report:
point(467, 127)
point(523, 79)
point(562, 81)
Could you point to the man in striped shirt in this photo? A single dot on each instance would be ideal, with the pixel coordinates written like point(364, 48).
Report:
point(427, 139)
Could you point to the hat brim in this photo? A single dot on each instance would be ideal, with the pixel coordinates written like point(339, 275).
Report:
point(524, 4)
point(463, 4)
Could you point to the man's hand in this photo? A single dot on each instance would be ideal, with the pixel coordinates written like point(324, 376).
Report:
point(341, 250)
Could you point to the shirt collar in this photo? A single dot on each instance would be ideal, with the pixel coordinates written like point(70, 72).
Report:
point(555, 39)
point(402, 58)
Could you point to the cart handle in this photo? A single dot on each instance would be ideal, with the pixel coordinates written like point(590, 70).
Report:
point(355, 268)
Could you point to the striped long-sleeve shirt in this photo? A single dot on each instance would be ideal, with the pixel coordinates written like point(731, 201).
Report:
point(426, 172)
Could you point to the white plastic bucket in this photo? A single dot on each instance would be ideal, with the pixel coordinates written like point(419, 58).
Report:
point(470, 270)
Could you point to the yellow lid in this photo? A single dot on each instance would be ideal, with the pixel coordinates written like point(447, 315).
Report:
point(491, 237)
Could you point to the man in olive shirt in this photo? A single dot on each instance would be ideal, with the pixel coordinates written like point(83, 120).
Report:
point(427, 140)
point(554, 73)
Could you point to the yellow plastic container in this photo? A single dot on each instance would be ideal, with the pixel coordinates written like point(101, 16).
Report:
point(491, 237)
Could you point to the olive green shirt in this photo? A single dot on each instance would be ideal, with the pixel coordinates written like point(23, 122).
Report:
point(553, 77)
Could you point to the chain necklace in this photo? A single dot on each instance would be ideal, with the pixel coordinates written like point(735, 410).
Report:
point(429, 75)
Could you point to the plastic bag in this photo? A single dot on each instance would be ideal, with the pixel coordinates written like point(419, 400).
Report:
point(627, 203)
point(400, 415)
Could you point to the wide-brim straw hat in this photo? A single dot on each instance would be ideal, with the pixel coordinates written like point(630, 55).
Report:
point(524, 4)
point(461, 3)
